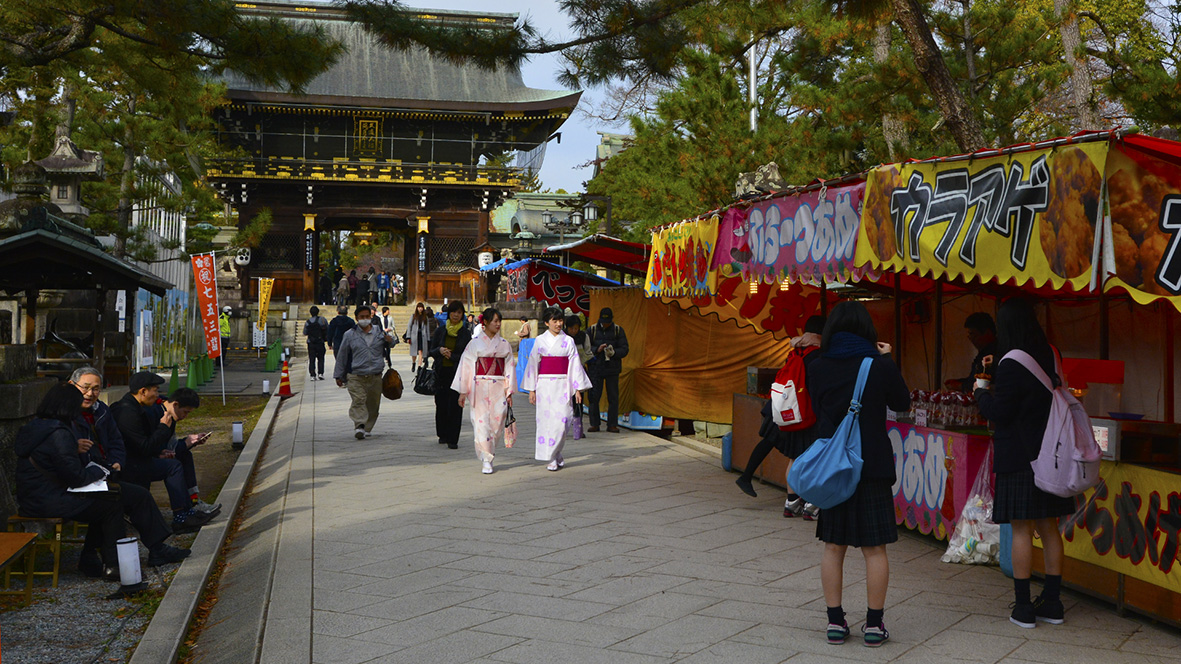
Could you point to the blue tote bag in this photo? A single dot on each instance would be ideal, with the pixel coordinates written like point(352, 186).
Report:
point(827, 474)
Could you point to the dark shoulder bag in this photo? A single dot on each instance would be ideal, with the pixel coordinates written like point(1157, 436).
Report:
point(424, 381)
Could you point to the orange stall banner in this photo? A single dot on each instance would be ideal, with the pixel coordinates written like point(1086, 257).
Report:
point(206, 283)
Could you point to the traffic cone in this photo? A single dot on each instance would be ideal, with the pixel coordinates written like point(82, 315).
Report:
point(174, 382)
point(284, 382)
point(191, 379)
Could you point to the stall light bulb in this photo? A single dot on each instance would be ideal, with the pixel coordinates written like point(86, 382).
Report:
point(785, 285)
point(754, 288)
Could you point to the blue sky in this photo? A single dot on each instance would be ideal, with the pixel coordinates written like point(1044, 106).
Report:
point(561, 169)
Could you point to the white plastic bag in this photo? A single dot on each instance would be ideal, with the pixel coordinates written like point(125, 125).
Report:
point(976, 539)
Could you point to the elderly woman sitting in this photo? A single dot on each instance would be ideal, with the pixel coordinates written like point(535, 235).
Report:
point(49, 463)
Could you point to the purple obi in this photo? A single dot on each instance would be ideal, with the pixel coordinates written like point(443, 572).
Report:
point(490, 366)
point(553, 365)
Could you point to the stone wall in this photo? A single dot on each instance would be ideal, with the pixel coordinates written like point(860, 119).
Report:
point(20, 393)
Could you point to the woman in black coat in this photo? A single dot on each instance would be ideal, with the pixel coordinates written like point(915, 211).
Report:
point(49, 461)
point(1018, 407)
point(447, 345)
point(866, 519)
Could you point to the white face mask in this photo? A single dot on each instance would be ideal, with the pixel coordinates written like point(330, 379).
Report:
point(364, 322)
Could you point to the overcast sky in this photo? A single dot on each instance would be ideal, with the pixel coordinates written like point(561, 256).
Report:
point(561, 168)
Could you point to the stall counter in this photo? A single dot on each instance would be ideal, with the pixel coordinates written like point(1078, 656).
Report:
point(924, 459)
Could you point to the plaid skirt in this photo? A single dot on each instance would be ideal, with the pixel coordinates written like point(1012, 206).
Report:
point(1019, 499)
point(865, 519)
point(795, 443)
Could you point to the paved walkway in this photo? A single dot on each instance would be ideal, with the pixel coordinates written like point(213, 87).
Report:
point(396, 549)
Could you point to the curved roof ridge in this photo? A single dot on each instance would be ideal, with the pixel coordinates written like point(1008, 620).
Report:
point(374, 75)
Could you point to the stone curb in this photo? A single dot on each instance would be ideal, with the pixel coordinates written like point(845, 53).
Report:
point(696, 446)
point(161, 642)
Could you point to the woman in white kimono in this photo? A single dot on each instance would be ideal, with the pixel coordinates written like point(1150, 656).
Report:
point(485, 375)
point(553, 375)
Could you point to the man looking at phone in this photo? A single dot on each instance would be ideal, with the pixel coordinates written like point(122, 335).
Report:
point(155, 453)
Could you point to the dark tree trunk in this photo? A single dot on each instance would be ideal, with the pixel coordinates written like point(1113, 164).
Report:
point(959, 117)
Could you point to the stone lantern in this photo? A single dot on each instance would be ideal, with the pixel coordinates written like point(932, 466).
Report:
point(65, 169)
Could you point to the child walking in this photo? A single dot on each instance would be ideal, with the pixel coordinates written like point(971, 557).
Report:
point(553, 375)
point(486, 374)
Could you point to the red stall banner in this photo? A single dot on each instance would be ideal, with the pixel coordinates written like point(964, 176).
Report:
point(206, 282)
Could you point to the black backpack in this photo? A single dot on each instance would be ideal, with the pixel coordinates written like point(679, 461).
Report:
point(317, 329)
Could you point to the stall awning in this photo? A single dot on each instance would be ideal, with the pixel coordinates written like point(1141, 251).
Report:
point(46, 254)
point(495, 265)
point(609, 252)
point(552, 285)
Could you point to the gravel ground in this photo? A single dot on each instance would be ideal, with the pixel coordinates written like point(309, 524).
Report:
point(74, 623)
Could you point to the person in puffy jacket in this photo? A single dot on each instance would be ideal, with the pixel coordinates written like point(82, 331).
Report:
point(1019, 407)
point(49, 463)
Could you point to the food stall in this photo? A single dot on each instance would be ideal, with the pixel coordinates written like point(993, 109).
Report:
point(1088, 225)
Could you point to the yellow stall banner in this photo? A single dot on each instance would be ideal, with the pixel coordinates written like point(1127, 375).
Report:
point(264, 301)
point(1131, 524)
point(682, 259)
point(1144, 240)
point(1025, 217)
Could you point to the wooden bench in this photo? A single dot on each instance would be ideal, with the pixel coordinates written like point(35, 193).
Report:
point(53, 541)
point(12, 547)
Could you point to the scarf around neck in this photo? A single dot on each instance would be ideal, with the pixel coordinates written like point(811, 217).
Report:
point(453, 329)
point(846, 344)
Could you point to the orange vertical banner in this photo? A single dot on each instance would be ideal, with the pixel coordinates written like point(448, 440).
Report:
point(206, 284)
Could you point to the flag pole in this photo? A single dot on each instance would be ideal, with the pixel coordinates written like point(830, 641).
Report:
point(221, 356)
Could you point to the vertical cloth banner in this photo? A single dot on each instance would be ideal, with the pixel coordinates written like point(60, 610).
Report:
point(681, 259)
point(264, 301)
point(207, 302)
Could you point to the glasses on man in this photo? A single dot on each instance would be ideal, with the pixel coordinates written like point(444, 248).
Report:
point(88, 389)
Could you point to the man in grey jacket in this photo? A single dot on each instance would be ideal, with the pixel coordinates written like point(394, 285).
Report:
point(359, 364)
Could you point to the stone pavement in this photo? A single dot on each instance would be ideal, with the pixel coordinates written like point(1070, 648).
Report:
point(396, 549)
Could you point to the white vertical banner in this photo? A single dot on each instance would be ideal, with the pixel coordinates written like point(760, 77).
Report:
point(121, 309)
point(144, 339)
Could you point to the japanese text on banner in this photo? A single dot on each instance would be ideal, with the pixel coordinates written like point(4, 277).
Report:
point(264, 301)
point(681, 259)
point(207, 302)
point(1026, 217)
point(805, 237)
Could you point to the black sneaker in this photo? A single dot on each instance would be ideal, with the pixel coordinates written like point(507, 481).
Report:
point(163, 554)
point(189, 521)
point(1023, 615)
point(1049, 610)
point(92, 566)
point(359, 433)
point(746, 487)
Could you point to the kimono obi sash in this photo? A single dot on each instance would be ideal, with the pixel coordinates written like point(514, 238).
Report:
point(490, 366)
point(553, 365)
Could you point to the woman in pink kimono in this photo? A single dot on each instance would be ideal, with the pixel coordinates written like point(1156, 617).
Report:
point(553, 375)
point(485, 375)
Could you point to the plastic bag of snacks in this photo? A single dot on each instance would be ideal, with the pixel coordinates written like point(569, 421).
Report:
point(976, 539)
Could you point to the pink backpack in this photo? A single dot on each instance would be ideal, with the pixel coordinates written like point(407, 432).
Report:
point(1068, 462)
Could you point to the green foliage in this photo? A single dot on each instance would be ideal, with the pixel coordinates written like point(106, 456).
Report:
point(214, 32)
point(250, 235)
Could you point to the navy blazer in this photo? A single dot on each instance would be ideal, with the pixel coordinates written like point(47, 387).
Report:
point(1018, 407)
point(830, 386)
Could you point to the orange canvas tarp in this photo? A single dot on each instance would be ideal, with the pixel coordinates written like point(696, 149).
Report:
point(681, 364)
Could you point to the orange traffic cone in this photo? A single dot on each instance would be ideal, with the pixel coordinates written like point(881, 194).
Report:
point(284, 382)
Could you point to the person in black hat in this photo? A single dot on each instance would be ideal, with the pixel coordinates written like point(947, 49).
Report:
point(153, 451)
point(609, 346)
